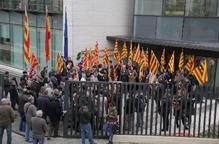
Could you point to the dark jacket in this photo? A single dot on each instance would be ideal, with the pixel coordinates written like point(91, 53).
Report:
point(42, 104)
point(6, 83)
point(84, 115)
point(21, 102)
point(38, 127)
point(54, 110)
point(6, 115)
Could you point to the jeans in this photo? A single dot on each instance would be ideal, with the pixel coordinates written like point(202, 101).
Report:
point(28, 134)
point(86, 131)
point(109, 129)
point(9, 133)
point(22, 124)
point(140, 121)
point(38, 140)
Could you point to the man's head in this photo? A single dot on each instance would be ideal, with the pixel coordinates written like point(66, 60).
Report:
point(39, 113)
point(5, 101)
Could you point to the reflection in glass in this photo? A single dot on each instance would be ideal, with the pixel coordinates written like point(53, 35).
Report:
point(148, 7)
point(174, 7)
point(201, 7)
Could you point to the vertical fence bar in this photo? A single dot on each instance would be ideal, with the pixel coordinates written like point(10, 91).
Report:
point(199, 121)
point(151, 112)
point(147, 108)
point(125, 121)
point(132, 106)
point(205, 113)
point(209, 119)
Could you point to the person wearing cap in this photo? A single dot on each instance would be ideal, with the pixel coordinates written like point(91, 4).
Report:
point(29, 111)
point(7, 117)
point(39, 128)
point(23, 79)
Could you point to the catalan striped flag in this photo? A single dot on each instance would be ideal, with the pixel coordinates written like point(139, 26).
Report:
point(114, 74)
point(137, 55)
point(90, 58)
point(106, 59)
point(162, 61)
point(154, 63)
point(172, 62)
point(201, 73)
point(96, 54)
point(190, 64)
point(26, 39)
point(181, 60)
point(146, 59)
point(142, 64)
point(124, 51)
point(34, 61)
point(85, 60)
point(130, 54)
point(116, 54)
point(60, 63)
point(47, 37)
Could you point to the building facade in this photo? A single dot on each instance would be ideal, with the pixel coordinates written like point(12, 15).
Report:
point(12, 30)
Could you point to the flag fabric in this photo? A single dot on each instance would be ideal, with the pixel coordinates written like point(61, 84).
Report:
point(172, 62)
point(34, 61)
point(114, 74)
point(26, 39)
point(78, 56)
point(60, 63)
point(137, 55)
point(90, 58)
point(47, 37)
point(181, 60)
point(106, 59)
point(130, 54)
point(142, 64)
point(124, 51)
point(190, 64)
point(96, 54)
point(154, 63)
point(85, 60)
point(116, 54)
point(162, 61)
point(146, 59)
point(201, 73)
point(66, 37)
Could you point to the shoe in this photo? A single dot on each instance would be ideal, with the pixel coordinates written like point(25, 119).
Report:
point(48, 138)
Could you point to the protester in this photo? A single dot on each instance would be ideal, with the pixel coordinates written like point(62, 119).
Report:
point(39, 128)
point(7, 117)
point(6, 84)
point(13, 93)
point(30, 111)
point(43, 101)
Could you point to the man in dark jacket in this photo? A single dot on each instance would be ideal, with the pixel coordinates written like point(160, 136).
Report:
point(42, 103)
point(6, 83)
point(54, 113)
point(6, 119)
point(85, 126)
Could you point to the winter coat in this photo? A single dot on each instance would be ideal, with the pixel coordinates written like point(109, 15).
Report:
point(54, 110)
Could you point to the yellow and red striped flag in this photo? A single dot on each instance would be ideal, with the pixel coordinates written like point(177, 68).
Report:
point(162, 61)
point(116, 54)
point(190, 64)
point(90, 58)
point(60, 63)
point(96, 54)
point(154, 63)
point(142, 64)
point(106, 59)
point(34, 61)
point(146, 59)
point(137, 55)
point(47, 37)
point(181, 60)
point(201, 73)
point(172, 62)
point(130, 54)
point(26, 39)
point(114, 74)
point(124, 51)
point(85, 60)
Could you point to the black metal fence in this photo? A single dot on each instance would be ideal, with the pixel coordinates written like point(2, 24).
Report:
point(1, 85)
point(145, 109)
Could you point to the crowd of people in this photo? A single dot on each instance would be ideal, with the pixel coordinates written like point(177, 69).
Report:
point(38, 98)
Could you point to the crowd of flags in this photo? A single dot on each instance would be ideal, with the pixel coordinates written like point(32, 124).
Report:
point(137, 55)
point(141, 57)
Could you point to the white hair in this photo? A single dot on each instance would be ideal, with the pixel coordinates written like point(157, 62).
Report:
point(5, 101)
point(39, 113)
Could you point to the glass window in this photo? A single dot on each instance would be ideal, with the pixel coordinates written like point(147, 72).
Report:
point(174, 7)
point(201, 7)
point(148, 7)
point(17, 47)
point(5, 42)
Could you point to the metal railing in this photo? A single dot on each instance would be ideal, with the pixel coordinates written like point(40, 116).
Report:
point(53, 7)
point(144, 109)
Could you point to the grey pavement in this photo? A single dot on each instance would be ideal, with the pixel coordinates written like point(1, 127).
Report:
point(18, 139)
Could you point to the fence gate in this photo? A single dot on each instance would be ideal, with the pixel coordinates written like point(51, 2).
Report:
point(144, 109)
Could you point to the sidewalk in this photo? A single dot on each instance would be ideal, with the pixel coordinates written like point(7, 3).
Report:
point(18, 139)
